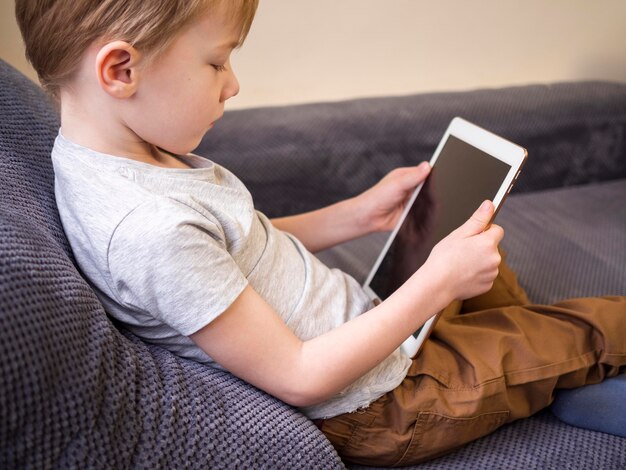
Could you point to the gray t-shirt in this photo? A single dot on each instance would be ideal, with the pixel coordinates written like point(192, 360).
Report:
point(168, 250)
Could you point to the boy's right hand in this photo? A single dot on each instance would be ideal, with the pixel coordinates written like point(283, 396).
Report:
point(467, 260)
point(303, 373)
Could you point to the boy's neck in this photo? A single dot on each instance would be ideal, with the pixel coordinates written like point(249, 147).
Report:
point(104, 134)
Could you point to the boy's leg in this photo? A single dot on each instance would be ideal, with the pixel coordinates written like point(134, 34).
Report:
point(506, 291)
point(481, 370)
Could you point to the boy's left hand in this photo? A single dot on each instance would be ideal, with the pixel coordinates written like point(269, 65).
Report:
point(375, 210)
point(381, 206)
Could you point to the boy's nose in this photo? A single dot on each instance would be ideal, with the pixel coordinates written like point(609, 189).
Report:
point(235, 87)
point(231, 88)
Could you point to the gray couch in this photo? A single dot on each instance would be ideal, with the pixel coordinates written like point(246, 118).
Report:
point(77, 390)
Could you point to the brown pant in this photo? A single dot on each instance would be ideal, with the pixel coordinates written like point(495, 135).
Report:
point(499, 360)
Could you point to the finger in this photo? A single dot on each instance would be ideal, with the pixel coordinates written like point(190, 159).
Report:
point(497, 232)
point(479, 220)
point(410, 177)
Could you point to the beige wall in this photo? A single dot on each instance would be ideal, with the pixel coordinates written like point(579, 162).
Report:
point(11, 48)
point(312, 50)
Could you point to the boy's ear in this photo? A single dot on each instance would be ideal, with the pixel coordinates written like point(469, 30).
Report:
point(116, 68)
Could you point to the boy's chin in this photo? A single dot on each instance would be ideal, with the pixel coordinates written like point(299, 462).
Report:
point(188, 147)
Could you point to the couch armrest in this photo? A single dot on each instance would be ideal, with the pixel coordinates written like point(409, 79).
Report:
point(75, 393)
point(296, 158)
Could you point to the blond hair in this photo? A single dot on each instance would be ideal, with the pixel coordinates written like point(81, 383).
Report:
point(56, 33)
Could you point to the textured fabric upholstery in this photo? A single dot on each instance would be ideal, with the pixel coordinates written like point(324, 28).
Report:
point(75, 391)
point(538, 443)
point(568, 242)
point(300, 157)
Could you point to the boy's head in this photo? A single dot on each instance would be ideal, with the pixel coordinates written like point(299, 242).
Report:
point(133, 72)
point(57, 32)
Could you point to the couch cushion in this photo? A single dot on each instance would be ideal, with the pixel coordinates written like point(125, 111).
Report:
point(562, 243)
point(77, 392)
point(541, 442)
point(27, 131)
point(568, 242)
point(572, 243)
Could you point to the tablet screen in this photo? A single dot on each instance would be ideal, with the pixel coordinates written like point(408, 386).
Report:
point(460, 180)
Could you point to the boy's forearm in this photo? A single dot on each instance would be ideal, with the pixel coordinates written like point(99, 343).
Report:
point(309, 372)
point(326, 227)
point(339, 357)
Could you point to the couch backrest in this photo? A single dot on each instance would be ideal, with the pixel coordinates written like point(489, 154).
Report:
point(297, 158)
point(28, 126)
point(58, 347)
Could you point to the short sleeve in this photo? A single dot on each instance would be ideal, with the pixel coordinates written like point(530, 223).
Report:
point(171, 262)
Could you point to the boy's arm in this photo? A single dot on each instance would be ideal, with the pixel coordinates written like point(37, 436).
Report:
point(326, 227)
point(251, 340)
point(377, 209)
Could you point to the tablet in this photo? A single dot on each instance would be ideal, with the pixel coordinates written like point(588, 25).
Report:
point(469, 166)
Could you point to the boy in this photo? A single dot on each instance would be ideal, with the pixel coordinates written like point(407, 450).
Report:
point(175, 250)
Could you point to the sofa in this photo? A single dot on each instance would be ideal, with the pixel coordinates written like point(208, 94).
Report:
point(77, 390)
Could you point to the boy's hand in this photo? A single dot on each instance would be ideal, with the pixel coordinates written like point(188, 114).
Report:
point(467, 260)
point(380, 207)
point(377, 209)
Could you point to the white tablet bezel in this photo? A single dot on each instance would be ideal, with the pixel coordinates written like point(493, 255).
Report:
point(492, 144)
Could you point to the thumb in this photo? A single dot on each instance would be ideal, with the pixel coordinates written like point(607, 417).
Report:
point(479, 220)
point(410, 177)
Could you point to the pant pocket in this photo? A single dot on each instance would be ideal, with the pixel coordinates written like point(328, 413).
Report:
point(345, 432)
point(435, 434)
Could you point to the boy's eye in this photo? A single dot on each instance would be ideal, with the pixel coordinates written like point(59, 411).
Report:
point(219, 68)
